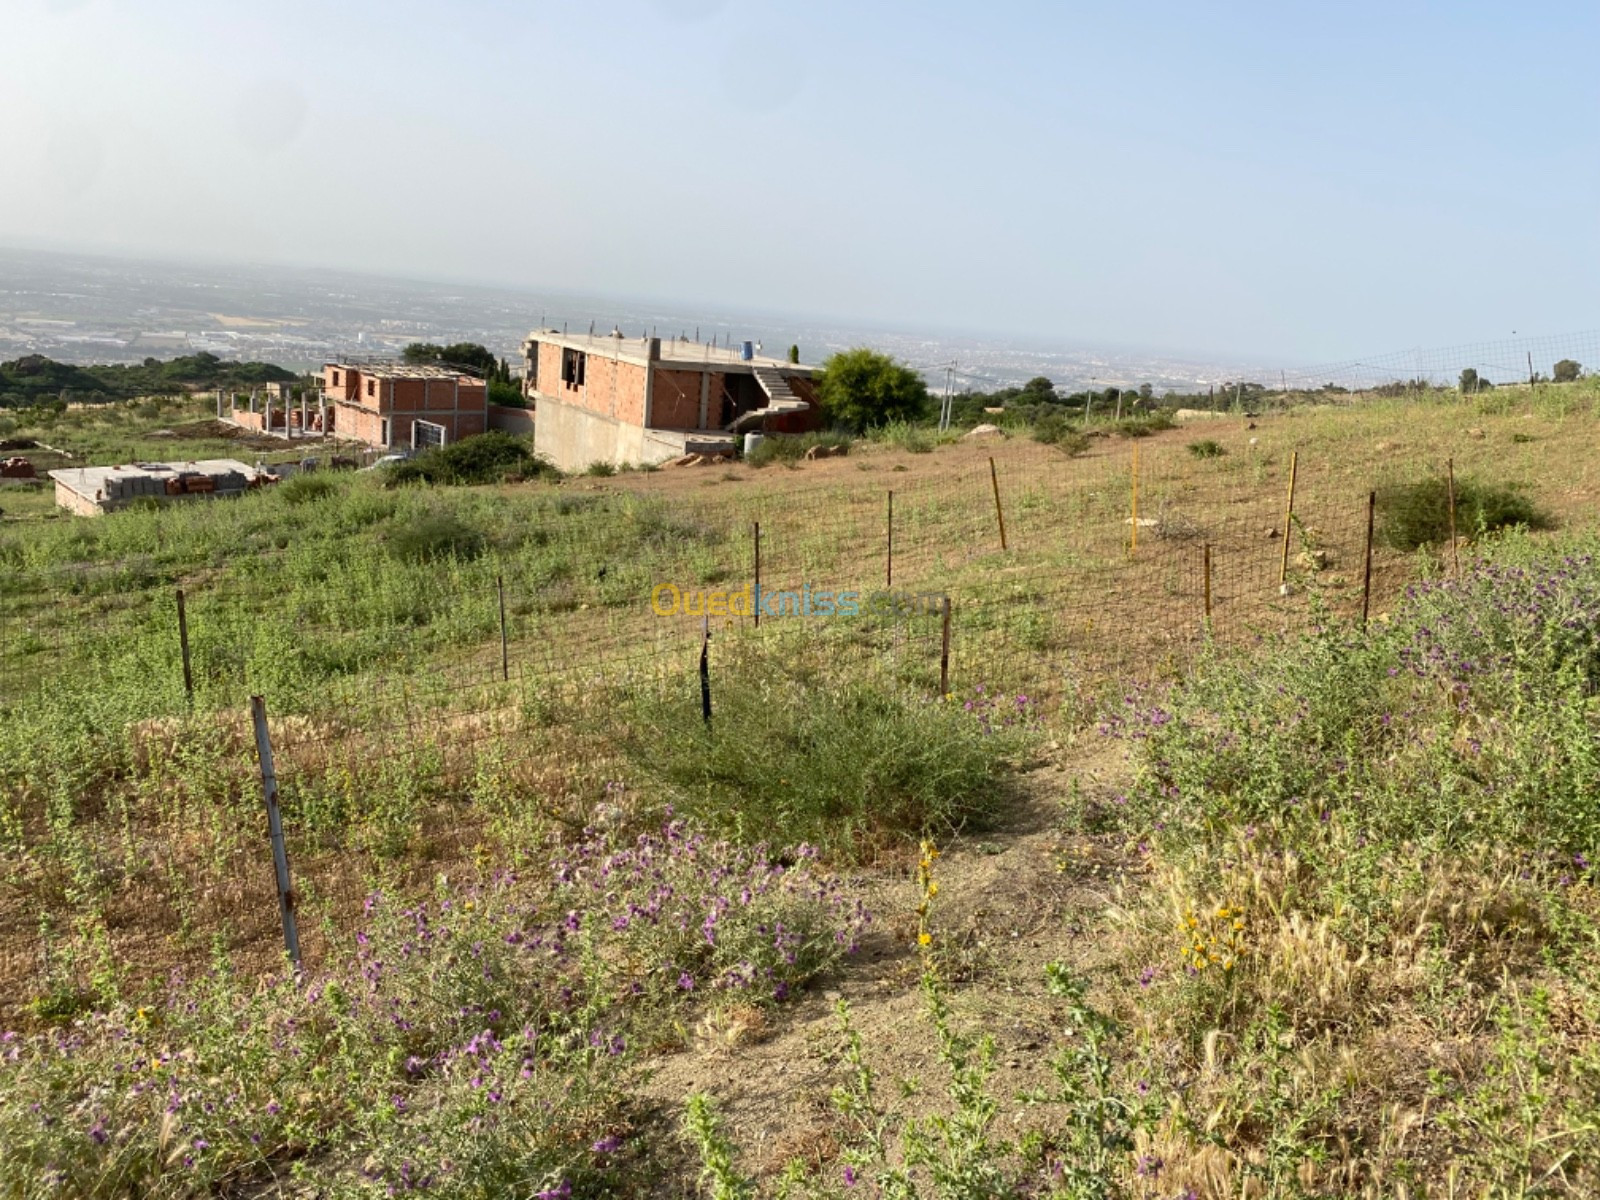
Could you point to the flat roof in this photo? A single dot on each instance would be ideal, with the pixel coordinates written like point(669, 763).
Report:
point(404, 371)
point(675, 351)
point(88, 481)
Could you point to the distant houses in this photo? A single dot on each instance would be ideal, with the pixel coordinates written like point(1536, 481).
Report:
point(635, 401)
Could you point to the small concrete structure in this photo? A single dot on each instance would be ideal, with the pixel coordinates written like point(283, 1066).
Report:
point(90, 491)
point(634, 401)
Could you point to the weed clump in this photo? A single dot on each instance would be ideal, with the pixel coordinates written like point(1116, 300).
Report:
point(1207, 448)
point(846, 767)
point(1418, 514)
point(487, 458)
point(436, 536)
point(789, 448)
point(306, 489)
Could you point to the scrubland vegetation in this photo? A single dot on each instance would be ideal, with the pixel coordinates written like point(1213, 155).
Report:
point(1297, 909)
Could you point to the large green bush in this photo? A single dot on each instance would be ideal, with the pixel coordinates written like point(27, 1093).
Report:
point(1418, 514)
point(487, 458)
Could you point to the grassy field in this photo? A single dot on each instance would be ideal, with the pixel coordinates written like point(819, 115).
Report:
point(1253, 905)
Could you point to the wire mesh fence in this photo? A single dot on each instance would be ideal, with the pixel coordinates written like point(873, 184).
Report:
point(436, 705)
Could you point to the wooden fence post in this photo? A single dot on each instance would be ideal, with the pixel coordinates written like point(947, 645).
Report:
point(758, 595)
point(183, 644)
point(944, 652)
point(1288, 516)
point(280, 856)
point(888, 563)
point(505, 654)
point(1455, 548)
point(1366, 575)
point(999, 513)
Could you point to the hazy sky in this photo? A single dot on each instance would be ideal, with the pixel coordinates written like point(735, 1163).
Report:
point(1306, 181)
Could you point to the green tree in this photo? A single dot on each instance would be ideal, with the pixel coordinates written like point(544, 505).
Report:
point(458, 354)
point(1566, 370)
point(794, 354)
point(861, 389)
point(421, 352)
point(1469, 379)
point(1038, 388)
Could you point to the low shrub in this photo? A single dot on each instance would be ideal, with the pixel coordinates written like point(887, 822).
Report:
point(1461, 718)
point(487, 458)
point(434, 536)
point(1054, 429)
point(846, 766)
point(1418, 514)
point(906, 435)
point(600, 468)
point(1207, 448)
point(306, 489)
point(1138, 427)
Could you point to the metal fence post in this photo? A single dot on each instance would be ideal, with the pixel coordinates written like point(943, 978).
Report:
point(944, 652)
point(1000, 515)
point(888, 568)
point(1455, 547)
point(1366, 575)
point(1208, 584)
point(757, 536)
point(705, 673)
point(183, 644)
point(505, 655)
point(280, 856)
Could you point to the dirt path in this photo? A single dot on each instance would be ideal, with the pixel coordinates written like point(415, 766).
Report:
point(1006, 908)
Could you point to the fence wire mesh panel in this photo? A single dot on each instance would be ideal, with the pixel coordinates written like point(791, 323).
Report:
point(443, 683)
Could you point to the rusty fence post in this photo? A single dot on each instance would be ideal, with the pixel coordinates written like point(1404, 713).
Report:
point(999, 513)
point(1207, 573)
point(1366, 574)
point(280, 856)
point(757, 525)
point(183, 645)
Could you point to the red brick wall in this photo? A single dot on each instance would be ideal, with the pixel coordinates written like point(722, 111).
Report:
point(611, 386)
point(675, 400)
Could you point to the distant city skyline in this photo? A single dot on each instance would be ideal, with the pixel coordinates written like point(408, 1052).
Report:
point(1248, 181)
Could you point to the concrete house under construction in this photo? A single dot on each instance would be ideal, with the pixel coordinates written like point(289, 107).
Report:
point(403, 405)
point(631, 401)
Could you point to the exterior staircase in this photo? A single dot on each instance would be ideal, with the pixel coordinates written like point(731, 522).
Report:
point(780, 400)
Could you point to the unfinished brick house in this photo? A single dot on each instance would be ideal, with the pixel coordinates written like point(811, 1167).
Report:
point(401, 405)
point(631, 401)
